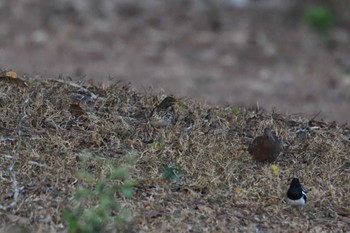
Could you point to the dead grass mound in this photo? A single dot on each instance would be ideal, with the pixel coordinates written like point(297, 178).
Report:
point(46, 126)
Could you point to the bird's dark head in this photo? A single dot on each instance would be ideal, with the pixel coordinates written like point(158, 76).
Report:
point(268, 133)
point(295, 183)
point(167, 102)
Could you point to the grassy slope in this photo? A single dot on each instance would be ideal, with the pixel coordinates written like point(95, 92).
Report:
point(221, 189)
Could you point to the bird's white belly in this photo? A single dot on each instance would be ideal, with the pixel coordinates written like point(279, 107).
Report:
point(299, 202)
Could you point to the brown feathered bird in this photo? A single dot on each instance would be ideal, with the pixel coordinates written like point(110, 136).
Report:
point(265, 148)
point(164, 113)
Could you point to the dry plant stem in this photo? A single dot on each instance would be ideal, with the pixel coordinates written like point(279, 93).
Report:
point(16, 190)
point(93, 96)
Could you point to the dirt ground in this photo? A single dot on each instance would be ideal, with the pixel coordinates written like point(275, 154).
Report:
point(261, 53)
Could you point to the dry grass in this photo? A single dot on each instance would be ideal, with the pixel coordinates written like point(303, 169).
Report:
point(221, 189)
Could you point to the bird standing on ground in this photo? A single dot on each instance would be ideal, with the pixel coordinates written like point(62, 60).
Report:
point(296, 194)
point(265, 148)
point(164, 113)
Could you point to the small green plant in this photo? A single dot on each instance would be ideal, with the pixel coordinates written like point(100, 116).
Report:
point(156, 145)
point(172, 172)
point(320, 18)
point(92, 208)
point(235, 110)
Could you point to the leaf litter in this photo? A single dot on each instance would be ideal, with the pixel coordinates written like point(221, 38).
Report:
point(47, 126)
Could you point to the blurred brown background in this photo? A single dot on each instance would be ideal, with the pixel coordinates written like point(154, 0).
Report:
point(236, 52)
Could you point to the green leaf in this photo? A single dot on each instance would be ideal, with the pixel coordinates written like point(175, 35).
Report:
point(100, 187)
point(71, 219)
point(83, 193)
point(107, 203)
point(127, 189)
point(235, 110)
point(155, 145)
point(320, 18)
point(85, 176)
point(120, 173)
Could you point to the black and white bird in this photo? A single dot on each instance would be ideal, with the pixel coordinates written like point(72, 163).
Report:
point(296, 194)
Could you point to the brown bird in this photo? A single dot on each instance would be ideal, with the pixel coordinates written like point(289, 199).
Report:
point(265, 148)
point(164, 113)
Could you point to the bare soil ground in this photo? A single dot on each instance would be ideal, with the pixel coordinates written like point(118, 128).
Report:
point(44, 138)
point(263, 53)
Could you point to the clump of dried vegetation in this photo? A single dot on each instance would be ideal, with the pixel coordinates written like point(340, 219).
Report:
point(195, 176)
